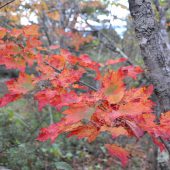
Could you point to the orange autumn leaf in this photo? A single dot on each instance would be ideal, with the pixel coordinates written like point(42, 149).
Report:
point(55, 15)
point(3, 32)
point(131, 71)
point(139, 98)
point(16, 32)
point(86, 131)
point(57, 61)
point(116, 61)
point(22, 85)
point(136, 130)
point(163, 129)
point(165, 118)
point(54, 130)
point(118, 152)
point(115, 131)
point(31, 30)
point(77, 112)
point(113, 87)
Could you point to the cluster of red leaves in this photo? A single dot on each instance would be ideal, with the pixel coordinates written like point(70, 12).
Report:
point(74, 39)
point(111, 108)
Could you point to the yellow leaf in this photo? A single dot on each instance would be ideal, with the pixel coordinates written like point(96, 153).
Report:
point(54, 15)
point(2, 32)
point(31, 30)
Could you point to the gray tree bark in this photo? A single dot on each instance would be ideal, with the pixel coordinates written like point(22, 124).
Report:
point(162, 11)
point(155, 53)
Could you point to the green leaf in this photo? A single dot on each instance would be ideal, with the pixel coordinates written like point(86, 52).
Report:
point(63, 166)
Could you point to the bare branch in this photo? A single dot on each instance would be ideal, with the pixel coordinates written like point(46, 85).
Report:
point(157, 4)
point(6, 4)
point(165, 144)
point(111, 45)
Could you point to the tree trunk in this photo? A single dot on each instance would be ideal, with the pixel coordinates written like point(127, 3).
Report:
point(162, 11)
point(155, 53)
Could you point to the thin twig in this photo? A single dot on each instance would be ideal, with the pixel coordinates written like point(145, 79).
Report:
point(6, 4)
point(81, 82)
point(111, 45)
point(157, 5)
point(165, 144)
point(55, 69)
point(51, 114)
point(45, 28)
point(85, 84)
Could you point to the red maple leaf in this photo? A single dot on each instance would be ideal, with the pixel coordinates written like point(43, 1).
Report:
point(118, 152)
point(8, 98)
point(116, 61)
point(113, 87)
point(131, 71)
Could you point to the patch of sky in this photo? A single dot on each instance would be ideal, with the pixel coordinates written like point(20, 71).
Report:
point(118, 12)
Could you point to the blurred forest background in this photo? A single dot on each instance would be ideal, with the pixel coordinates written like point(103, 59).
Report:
point(101, 28)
